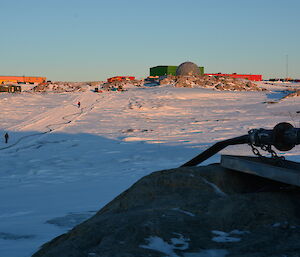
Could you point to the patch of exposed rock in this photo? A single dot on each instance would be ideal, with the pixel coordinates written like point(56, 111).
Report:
point(60, 87)
point(214, 82)
point(122, 84)
point(190, 212)
point(293, 94)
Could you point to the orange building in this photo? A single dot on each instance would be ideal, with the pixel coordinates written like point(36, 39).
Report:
point(120, 78)
point(21, 79)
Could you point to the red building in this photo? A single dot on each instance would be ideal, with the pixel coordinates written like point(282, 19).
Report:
point(120, 78)
point(252, 77)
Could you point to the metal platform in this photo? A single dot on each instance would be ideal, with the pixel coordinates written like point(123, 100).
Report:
point(279, 170)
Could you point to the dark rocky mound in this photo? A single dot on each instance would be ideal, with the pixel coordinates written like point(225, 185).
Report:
point(123, 84)
point(214, 82)
point(200, 211)
point(60, 87)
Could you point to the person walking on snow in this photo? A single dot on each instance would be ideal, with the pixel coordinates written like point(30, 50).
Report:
point(78, 104)
point(6, 136)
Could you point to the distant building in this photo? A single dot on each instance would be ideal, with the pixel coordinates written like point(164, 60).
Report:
point(252, 77)
point(285, 80)
point(188, 69)
point(10, 88)
point(168, 70)
point(21, 79)
point(120, 78)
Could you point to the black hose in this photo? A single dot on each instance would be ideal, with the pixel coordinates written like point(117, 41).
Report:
point(216, 148)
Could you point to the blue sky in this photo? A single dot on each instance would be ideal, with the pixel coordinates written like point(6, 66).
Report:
point(85, 40)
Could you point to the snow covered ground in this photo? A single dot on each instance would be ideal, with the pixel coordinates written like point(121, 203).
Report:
point(63, 163)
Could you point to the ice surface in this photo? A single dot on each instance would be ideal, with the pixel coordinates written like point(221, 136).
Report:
point(216, 189)
point(224, 237)
point(158, 244)
point(208, 253)
point(185, 212)
point(95, 152)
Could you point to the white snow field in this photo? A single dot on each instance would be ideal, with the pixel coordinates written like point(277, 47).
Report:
point(63, 163)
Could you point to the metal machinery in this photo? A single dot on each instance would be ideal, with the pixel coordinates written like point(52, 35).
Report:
point(283, 137)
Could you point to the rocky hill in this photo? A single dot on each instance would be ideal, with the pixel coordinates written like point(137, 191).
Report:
point(189, 212)
point(60, 87)
point(214, 82)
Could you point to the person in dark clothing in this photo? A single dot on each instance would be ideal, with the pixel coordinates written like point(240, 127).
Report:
point(6, 136)
point(78, 104)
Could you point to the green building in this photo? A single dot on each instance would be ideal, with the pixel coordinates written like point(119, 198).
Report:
point(167, 70)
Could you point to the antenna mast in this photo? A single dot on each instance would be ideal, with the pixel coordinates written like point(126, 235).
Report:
point(287, 67)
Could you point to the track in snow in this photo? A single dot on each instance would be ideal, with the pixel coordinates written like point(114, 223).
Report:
point(52, 127)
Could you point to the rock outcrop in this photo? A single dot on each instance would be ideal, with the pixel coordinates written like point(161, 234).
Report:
point(124, 84)
point(60, 87)
point(217, 83)
point(199, 211)
point(293, 93)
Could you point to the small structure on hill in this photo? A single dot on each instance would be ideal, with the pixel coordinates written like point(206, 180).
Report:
point(187, 69)
point(10, 88)
point(120, 78)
